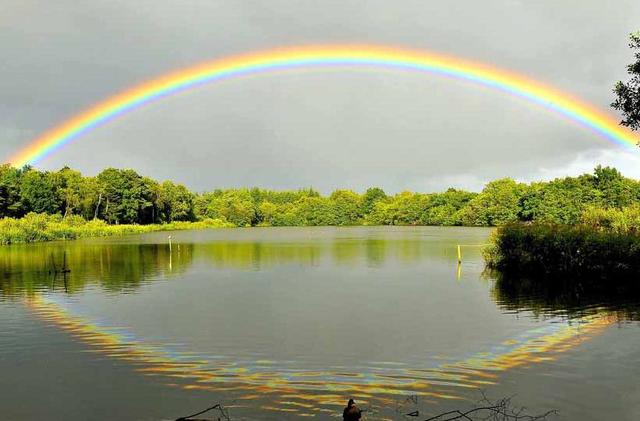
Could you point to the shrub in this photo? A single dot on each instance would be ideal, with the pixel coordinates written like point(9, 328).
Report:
point(41, 227)
point(548, 251)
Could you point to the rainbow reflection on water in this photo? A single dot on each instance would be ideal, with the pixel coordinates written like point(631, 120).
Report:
point(288, 388)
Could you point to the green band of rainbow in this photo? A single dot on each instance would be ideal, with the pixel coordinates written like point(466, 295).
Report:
point(323, 56)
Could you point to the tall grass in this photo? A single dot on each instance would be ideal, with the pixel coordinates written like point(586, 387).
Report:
point(622, 221)
point(41, 227)
point(581, 252)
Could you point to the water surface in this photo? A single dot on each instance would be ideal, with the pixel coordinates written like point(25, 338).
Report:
point(280, 323)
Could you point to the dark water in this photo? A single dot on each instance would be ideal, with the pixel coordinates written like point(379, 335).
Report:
point(290, 323)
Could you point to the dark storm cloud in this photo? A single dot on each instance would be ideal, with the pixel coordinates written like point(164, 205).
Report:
point(325, 129)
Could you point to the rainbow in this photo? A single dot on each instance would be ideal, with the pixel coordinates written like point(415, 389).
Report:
point(324, 56)
point(309, 392)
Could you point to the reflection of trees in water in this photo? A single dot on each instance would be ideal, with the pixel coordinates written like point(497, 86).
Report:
point(569, 297)
point(25, 269)
point(373, 252)
point(115, 267)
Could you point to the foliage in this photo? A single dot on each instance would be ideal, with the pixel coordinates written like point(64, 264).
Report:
point(406, 208)
point(119, 197)
point(39, 191)
point(628, 94)
point(234, 206)
point(42, 227)
point(499, 203)
point(621, 221)
point(372, 196)
point(552, 251)
point(127, 197)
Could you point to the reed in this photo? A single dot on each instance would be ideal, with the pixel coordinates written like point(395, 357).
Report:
point(579, 252)
point(41, 227)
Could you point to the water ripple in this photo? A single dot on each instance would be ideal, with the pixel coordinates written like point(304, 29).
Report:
point(306, 391)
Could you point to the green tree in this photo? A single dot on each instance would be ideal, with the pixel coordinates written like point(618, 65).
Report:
point(176, 203)
point(39, 192)
point(370, 198)
point(72, 190)
point(268, 213)
point(315, 211)
point(126, 197)
point(560, 201)
point(444, 207)
point(10, 200)
point(283, 215)
point(235, 206)
point(347, 207)
point(406, 208)
point(614, 190)
point(497, 204)
point(628, 93)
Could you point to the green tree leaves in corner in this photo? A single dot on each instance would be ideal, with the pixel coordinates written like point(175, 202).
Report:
point(628, 94)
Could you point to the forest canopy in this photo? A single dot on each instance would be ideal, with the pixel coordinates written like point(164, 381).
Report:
point(118, 196)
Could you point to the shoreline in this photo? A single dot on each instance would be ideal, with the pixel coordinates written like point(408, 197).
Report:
point(38, 228)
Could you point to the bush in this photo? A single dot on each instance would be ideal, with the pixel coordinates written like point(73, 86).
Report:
point(548, 251)
point(626, 220)
point(41, 227)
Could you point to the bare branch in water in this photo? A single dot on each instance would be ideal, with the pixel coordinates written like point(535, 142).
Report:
point(223, 412)
point(487, 410)
point(500, 410)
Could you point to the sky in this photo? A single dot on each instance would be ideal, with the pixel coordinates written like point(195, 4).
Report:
point(318, 128)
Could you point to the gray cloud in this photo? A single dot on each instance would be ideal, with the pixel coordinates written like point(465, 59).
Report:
point(314, 128)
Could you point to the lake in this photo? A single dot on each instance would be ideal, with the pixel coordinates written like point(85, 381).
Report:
point(285, 323)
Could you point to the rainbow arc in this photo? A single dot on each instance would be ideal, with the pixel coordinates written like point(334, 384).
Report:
point(325, 56)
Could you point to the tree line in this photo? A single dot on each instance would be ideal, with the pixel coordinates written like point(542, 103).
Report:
point(118, 196)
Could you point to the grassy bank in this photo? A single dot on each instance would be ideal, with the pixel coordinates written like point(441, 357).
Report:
point(588, 253)
point(40, 227)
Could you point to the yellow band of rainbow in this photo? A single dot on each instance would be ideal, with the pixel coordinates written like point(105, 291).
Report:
point(325, 56)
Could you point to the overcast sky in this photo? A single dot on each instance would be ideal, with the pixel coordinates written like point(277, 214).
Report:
point(327, 129)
